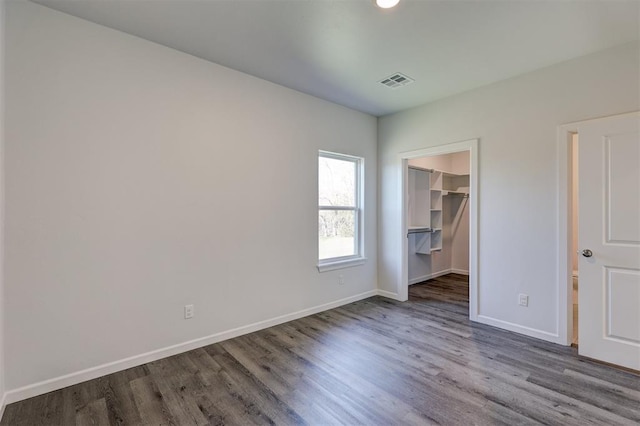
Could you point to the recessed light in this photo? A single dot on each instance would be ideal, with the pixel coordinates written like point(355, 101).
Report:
point(386, 4)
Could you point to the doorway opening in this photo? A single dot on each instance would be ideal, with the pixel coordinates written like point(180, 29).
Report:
point(439, 219)
point(438, 224)
point(600, 232)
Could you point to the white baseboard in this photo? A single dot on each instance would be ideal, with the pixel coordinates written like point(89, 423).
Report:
point(112, 367)
point(459, 271)
point(417, 280)
point(389, 295)
point(516, 328)
point(3, 403)
point(56, 383)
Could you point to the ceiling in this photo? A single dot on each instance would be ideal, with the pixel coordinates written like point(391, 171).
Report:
point(339, 50)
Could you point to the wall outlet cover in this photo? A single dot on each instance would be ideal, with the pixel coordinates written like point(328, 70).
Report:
point(189, 311)
point(523, 300)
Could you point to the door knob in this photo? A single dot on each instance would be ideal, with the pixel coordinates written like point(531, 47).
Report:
point(587, 253)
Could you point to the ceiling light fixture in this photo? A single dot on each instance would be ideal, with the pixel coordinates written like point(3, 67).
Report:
point(386, 4)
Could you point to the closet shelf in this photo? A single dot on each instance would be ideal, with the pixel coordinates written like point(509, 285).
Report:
point(457, 193)
point(418, 229)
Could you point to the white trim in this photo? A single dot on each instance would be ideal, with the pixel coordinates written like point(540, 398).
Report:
point(389, 295)
point(527, 331)
point(339, 156)
point(3, 131)
point(419, 279)
point(564, 273)
point(56, 383)
point(358, 209)
point(339, 208)
point(3, 404)
point(341, 264)
point(402, 287)
point(470, 145)
point(564, 325)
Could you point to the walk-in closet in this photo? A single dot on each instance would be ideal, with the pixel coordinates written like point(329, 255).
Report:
point(438, 216)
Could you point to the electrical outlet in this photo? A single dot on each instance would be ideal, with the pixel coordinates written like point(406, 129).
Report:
point(523, 300)
point(341, 279)
point(189, 311)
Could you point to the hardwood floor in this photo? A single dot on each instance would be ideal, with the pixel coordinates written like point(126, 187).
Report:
point(373, 362)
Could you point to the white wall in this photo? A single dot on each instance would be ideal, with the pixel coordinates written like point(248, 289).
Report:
point(440, 162)
point(458, 208)
point(457, 162)
point(460, 162)
point(2, 133)
point(459, 213)
point(141, 179)
point(422, 267)
point(516, 121)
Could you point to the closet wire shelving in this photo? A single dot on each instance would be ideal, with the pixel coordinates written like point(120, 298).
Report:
point(426, 192)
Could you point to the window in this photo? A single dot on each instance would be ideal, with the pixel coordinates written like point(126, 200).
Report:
point(339, 211)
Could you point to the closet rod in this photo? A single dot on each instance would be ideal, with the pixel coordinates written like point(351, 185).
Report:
point(421, 169)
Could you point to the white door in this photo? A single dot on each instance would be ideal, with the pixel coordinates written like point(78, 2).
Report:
point(609, 240)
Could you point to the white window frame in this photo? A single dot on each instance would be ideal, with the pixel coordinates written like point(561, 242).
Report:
point(358, 258)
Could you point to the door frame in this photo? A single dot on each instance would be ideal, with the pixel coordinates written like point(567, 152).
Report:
point(565, 216)
point(470, 145)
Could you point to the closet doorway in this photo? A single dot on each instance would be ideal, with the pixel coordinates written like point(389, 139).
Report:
point(439, 228)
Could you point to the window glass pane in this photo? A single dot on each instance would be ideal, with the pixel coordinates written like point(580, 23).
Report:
point(337, 182)
point(337, 233)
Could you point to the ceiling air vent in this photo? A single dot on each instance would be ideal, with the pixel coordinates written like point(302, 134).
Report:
point(396, 80)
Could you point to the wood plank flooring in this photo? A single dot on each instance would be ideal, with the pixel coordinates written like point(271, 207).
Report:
point(373, 362)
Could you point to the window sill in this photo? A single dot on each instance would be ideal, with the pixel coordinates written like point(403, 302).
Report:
point(340, 264)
